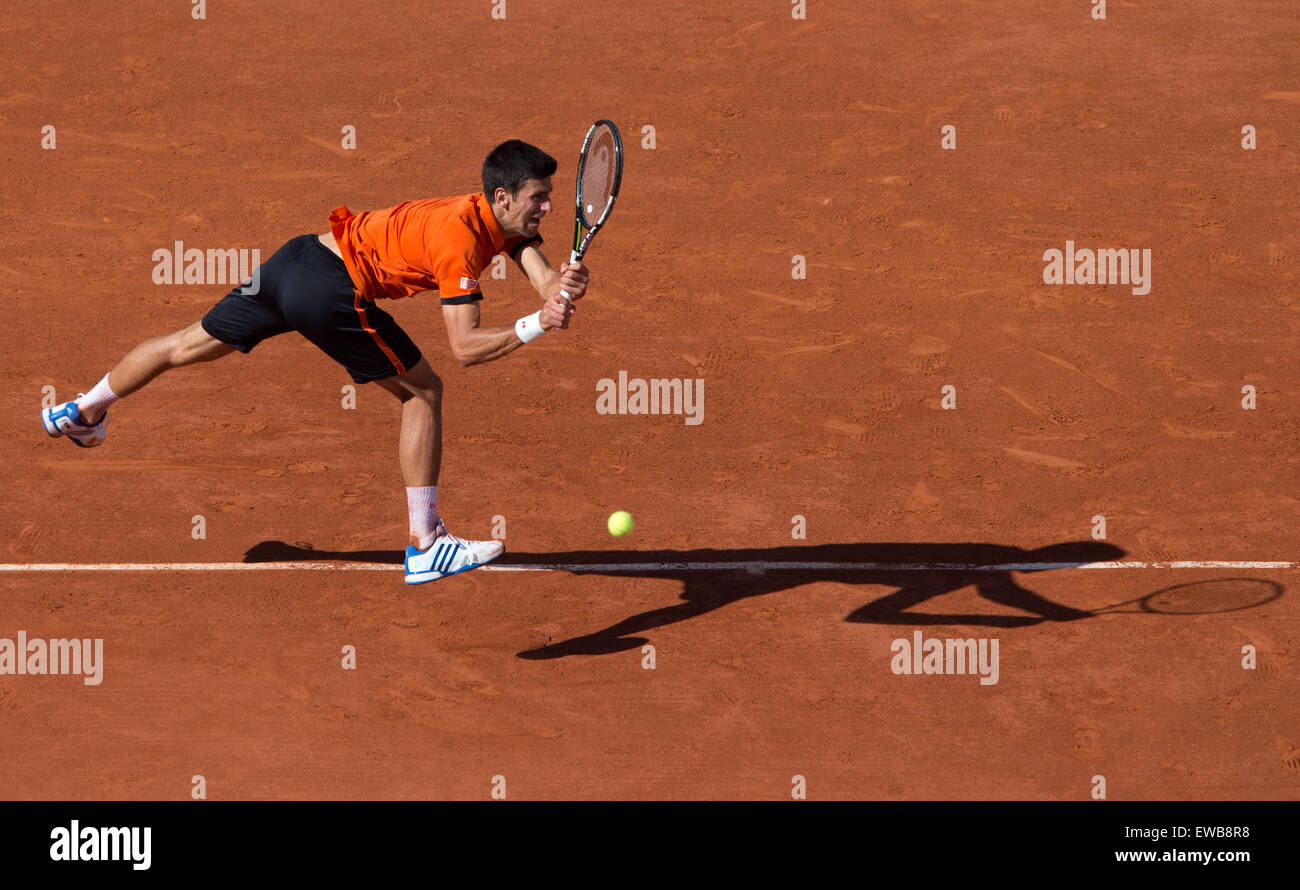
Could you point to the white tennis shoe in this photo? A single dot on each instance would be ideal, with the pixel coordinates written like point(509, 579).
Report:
point(66, 420)
point(448, 555)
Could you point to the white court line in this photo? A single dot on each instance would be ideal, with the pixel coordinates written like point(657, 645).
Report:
point(608, 568)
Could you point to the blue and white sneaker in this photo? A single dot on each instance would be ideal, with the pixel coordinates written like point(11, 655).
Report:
point(66, 420)
point(448, 555)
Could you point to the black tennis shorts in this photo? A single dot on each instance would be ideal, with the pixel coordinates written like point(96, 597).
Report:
point(305, 287)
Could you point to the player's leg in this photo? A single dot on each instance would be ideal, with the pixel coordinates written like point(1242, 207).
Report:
point(84, 420)
point(431, 551)
point(152, 357)
point(419, 447)
point(317, 299)
point(239, 321)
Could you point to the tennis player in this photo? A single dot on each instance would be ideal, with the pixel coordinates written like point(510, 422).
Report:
point(327, 287)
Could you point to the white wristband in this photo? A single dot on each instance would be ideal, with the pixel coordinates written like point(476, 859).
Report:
point(529, 327)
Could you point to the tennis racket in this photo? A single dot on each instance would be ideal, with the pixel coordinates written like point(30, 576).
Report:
point(600, 171)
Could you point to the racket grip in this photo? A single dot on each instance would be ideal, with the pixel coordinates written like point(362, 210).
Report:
point(574, 256)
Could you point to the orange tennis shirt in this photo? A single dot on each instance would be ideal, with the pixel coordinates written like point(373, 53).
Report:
point(440, 244)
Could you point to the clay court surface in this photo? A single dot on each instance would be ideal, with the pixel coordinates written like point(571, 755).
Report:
point(774, 137)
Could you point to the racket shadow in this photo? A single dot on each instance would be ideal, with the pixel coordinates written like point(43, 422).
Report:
point(1206, 597)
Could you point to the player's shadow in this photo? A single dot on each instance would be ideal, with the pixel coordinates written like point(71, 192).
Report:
point(706, 589)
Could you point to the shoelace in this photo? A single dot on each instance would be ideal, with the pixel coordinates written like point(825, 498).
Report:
point(460, 542)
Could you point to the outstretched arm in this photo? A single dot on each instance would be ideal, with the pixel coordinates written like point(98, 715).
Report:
point(546, 281)
point(473, 345)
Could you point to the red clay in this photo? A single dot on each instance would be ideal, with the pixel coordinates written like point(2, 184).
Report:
point(822, 398)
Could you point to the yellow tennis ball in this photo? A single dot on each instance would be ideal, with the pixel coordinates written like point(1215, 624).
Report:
point(620, 523)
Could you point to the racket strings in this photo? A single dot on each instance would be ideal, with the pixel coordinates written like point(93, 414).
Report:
point(598, 173)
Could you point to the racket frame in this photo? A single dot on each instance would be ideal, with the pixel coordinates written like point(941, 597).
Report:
point(584, 229)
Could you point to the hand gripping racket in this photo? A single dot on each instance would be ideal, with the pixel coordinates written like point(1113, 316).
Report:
point(600, 171)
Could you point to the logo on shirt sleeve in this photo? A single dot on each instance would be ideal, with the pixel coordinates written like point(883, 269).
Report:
point(468, 284)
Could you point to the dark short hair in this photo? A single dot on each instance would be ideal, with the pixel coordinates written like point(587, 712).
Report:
point(511, 164)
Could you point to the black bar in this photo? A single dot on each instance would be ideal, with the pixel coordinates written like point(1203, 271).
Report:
point(494, 839)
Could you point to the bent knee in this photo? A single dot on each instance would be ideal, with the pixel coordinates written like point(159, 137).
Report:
point(423, 384)
point(429, 391)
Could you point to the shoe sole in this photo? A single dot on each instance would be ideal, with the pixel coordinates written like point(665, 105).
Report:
point(422, 577)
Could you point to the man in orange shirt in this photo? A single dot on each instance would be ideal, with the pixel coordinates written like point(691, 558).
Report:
point(326, 286)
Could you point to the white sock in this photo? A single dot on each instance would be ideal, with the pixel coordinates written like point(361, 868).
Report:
point(93, 405)
point(422, 505)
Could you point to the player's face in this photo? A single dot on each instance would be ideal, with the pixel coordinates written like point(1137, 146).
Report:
point(525, 210)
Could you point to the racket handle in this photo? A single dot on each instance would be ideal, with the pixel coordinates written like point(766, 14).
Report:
point(574, 256)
